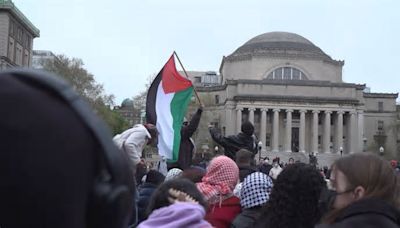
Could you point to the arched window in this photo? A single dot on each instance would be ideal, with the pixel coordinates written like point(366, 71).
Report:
point(287, 73)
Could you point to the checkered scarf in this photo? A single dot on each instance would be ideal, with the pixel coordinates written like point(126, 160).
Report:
point(255, 191)
point(221, 178)
point(173, 174)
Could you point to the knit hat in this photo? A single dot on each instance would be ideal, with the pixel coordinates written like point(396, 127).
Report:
point(173, 174)
point(255, 191)
point(221, 178)
point(247, 128)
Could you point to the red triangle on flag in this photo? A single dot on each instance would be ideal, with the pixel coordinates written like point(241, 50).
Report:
point(171, 80)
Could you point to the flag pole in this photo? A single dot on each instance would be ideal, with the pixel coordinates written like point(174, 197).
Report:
point(194, 89)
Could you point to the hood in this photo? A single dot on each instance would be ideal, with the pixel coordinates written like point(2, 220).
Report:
point(177, 215)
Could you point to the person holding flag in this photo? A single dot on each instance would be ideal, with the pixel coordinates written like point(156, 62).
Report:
point(166, 105)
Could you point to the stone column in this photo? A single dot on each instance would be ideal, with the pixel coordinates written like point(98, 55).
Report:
point(339, 131)
point(353, 134)
point(251, 115)
point(288, 143)
point(228, 121)
point(302, 131)
point(327, 132)
point(275, 131)
point(360, 115)
point(315, 132)
point(238, 119)
point(263, 133)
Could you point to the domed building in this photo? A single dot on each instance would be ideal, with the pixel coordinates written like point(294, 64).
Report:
point(294, 94)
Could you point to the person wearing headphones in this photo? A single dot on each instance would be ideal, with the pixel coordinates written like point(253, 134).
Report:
point(58, 164)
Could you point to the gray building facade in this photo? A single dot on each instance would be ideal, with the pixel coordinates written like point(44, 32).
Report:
point(16, 36)
point(294, 94)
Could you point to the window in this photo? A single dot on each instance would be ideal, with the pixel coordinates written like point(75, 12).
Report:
point(380, 106)
point(11, 49)
point(287, 73)
point(216, 99)
point(197, 79)
point(380, 125)
point(11, 28)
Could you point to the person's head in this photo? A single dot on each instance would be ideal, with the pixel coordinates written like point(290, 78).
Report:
point(58, 164)
point(160, 196)
point(244, 157)
point(152, 129)
point(275, 162)
point(247, 128)
point(255, 190)
point(221, 177)
point(194, 173)
point(295, 197)
point(154, 177)
point(291, 161)
point(393, 163)
point(363, 175)
point(173, 174)
point(266, 160)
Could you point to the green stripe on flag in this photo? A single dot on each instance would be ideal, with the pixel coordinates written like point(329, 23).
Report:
point(179, 106)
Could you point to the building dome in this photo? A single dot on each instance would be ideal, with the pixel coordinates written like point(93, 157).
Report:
point(127, 103)
point(278, 43)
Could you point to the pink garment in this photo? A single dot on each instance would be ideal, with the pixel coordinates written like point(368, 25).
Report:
point(177, 215)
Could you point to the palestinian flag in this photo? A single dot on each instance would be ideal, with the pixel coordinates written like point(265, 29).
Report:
point(166, 105)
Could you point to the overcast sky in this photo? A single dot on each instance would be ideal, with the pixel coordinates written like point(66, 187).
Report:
point(123, 42)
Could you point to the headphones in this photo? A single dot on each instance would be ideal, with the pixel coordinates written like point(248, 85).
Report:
point(113, 191)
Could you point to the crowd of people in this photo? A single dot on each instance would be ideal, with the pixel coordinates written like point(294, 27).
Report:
point(60, 167)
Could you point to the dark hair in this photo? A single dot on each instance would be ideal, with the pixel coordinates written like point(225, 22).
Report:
point(194, 174)
point(247, 128)
point(294, 198)
point(160, 196)
point(244, 156)
point(155, 177)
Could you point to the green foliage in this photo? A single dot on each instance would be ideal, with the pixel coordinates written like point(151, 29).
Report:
point(72, 70)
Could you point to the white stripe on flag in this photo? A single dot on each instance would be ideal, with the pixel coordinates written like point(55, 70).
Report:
point(164, 122)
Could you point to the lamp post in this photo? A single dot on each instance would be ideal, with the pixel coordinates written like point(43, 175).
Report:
point(216, 149)
point(341, 151)
point(259, 150)
point(381, 150)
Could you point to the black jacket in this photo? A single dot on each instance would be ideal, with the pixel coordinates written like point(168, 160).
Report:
point(145, 192)
point(368, 213)
point(186, 146)
point(246, 218)
point(233, 143)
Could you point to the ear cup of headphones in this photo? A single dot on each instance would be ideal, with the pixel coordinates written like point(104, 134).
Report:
point(109, 206)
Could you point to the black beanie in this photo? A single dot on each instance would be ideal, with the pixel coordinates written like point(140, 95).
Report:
point(247, 128)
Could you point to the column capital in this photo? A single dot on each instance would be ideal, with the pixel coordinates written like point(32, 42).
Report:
point(276, 110)
point(302, 111)
point(352, 112)
point(239, 108)
point(252, 108)
point(341, 112)
point(264, 109)
point(315, 111)
point(289, 110)
point(360, 111)
point(328, 111)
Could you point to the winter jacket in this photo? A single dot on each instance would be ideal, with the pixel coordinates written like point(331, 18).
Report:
point(132, 142)
point(145, 192)
point(177, 215)
point(187, 146)
point(247, 218)
point(221, 216)
point(244, 171)
point(368, 213)
point(233, 143)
